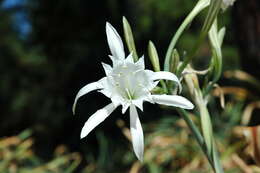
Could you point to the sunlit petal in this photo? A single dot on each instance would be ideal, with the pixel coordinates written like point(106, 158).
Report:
point(114, 41)
point(164, 75)
point(173, 100)
point(136, 133)
point(96, 119)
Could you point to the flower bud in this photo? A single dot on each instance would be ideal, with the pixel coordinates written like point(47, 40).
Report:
point(152, 52)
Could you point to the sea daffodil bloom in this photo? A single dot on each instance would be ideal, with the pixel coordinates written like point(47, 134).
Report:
point(127, 83)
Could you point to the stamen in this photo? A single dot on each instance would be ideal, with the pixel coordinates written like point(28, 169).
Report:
point(128, 93)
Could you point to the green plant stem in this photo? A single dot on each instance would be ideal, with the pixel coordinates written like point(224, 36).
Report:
point(212, 14)
point(217, 164)
point(196, 10)
point(196, 134)
point(208, 88)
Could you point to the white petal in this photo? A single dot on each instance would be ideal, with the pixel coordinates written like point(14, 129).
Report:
point(96, 119)
point(173, 100)
point(125, 107)
point(140, 62)
point(114, 41)
point(117, 100)
point(114, 60)
point(107, 68)
point(167, 76)
point(86, 89)
point(136, 133)
point(130, 58)
point(138, 103)
point(107, 93)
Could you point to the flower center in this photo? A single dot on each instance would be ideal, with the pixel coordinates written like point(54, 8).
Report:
point(128, 79)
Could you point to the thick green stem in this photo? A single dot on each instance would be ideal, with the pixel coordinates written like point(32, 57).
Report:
point(195, 131)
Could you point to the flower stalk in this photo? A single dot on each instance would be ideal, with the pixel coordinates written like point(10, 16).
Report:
point(214, 8)
point(209, 146)
point(202, 4)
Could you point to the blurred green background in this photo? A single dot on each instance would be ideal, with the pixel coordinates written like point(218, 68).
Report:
point(50, 49)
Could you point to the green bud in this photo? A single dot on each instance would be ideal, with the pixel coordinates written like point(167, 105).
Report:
point(153, 55)
point(174, 61)
point(129, 38)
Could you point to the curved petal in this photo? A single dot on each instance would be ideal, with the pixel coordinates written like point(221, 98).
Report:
point(173, 100)
point(86, 89)
point(136, 133)
point(164, 75)
point(114, 41)
point(96, 119)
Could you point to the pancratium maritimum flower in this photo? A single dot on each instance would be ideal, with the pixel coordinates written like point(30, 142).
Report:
point(127, 83)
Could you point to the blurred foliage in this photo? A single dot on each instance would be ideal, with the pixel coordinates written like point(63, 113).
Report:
point(17, 156)
point(42, 69)
point(169, 147)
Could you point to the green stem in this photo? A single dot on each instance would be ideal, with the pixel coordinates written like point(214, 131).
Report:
point(196, 10)
point(208, 88)
point(196, 133)
point(217, 164)
point(212, 14)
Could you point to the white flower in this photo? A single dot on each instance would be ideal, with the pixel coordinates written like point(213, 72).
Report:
point(127, 83)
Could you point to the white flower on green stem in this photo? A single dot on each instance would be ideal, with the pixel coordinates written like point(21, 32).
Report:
point(127, 83)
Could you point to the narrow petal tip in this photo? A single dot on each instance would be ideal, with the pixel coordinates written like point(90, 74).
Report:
point(83, 134)
point(140, 158)
point(189, 105)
